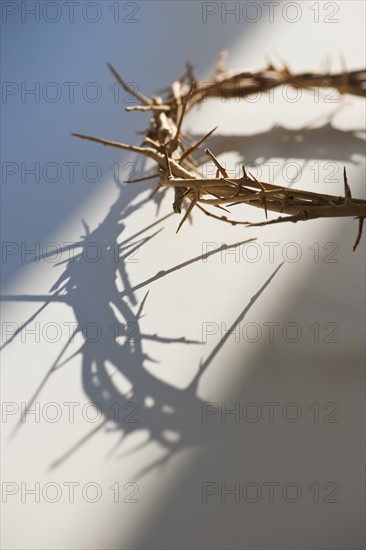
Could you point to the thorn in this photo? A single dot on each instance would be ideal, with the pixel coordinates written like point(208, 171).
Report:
point(245, 175)
point(264, 200)
point(153, 176)
point(222, 208)
point(221, 218)
point(262, 192)
point(285, 70)
point(187, 213)
point(255, 179)
point(180, 121)
point(343, 62)
point(345, 77)
point(359, 234)
point(347, 190)
point(195, 146)
point(326, 64)
point(170, 175)
point(128, 88)
point(179, 199)
point(190, 72)
point(270, 66)
point(179, 194)
point(220, 168)
point(220, 66)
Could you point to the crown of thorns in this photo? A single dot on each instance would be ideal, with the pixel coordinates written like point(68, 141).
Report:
point(171, 148)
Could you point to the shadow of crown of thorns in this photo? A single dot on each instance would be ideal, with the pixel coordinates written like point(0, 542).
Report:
point(166, 143)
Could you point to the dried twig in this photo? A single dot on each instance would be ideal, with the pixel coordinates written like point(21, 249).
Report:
point(164, 143)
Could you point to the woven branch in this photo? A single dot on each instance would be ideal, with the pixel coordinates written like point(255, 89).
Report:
point(165, 143)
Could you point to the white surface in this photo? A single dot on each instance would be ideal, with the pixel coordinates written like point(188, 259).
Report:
point(170, 512)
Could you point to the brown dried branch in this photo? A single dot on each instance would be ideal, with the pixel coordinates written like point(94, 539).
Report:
point(164, 143)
